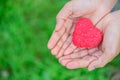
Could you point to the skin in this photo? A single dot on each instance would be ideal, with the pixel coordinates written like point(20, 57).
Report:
point(60, 42)
point(109, 49)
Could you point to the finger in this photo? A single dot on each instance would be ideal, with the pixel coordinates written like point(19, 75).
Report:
point(65, 45)
point(70, 49)
point(78, 49)
point(63, 15)
point(65, 61)
point(68, 25)
point(92, 50)
point(111, 37)
point(55, 38)
point(69, 31)
point(64, 57)
point(97, 53)
point(80, 63)
point(79, 54)
point(55, 50)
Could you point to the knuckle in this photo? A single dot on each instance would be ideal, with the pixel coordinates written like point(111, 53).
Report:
point(53, 52)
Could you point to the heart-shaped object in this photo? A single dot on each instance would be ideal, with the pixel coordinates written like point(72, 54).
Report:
point(85, 34)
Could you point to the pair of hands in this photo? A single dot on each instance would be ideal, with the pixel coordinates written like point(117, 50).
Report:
point(98, 12)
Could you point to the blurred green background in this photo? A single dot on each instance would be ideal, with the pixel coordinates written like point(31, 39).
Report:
point(25, 28)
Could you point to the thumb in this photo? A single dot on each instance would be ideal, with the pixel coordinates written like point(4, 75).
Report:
point(63, 15)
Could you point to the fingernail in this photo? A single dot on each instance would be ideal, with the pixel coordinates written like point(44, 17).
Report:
point(58, 56)
point(91, 68)
point(58, 26)
point(53, 52)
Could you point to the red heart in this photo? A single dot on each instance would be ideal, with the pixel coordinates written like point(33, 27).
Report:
point(86, 35)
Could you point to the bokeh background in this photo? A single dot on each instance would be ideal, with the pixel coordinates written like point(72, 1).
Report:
point(25, 28)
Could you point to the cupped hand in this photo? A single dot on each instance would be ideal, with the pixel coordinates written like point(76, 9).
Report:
point(60, 41)
point(106, 52)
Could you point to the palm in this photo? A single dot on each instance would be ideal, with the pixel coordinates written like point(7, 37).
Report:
point(108, 50)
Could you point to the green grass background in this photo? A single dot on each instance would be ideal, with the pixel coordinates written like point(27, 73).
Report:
point(25, 28)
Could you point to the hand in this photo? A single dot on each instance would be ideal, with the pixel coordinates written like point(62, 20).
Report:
point(98, 57)
point(60, 41)
point(111, 42)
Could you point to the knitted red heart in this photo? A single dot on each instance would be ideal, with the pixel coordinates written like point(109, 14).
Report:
point(86, 35)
